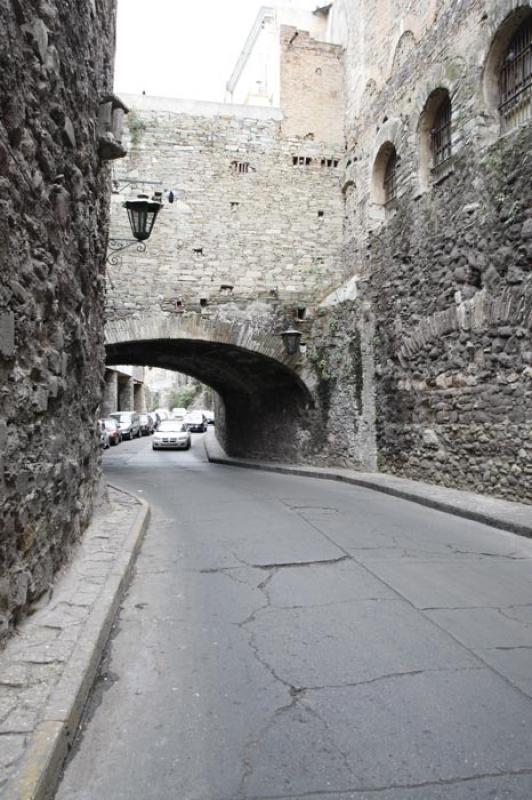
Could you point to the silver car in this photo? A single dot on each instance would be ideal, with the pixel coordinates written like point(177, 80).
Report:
point(171, 435)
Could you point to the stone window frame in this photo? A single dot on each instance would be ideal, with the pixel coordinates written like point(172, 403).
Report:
point(384, 189)
point(511, 17)
point(433, 168)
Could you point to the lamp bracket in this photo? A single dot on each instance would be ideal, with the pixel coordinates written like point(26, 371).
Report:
point(116, 246)
point(120, 184)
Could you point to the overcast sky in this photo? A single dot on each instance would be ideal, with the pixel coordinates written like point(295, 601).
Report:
point(180, 48)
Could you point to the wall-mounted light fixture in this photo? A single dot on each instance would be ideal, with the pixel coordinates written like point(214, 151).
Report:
point(291, 339)
point(142, 213)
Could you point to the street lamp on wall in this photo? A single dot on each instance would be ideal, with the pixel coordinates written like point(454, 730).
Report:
point(291, 340)
point(142, 213)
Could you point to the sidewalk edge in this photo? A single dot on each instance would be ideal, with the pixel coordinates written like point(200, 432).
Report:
point(420, 496)
point(42, 763)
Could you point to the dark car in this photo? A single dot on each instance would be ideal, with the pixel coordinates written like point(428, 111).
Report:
point(128, 422)
point(146, 424)
point(195, 422)
point(113, 430)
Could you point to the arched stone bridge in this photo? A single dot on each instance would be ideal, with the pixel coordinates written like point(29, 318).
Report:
point(268, 396)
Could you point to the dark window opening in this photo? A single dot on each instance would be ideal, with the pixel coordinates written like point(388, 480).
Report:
point(301, 161)
point(321, 214)
point(234, 206)
point(198, 251)
point(301, 312)
point(226, 288)
point(440, 135)
point(203, 302)
point(390, 179)
point(240, 167)
point(515, 78)
point(329, 162)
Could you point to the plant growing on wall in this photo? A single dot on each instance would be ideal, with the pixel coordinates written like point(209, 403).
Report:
point(136, 127)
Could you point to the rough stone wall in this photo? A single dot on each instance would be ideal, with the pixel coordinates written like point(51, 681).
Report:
point(56, 63)
point(447, 266)
point(312, 88)
point(273, 232)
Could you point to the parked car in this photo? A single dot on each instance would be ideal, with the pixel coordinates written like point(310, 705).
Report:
point(195, 422)
point(172, 434)
point(209, 416)
point(128, 422)
point(146, 424)
point(103, 436)
point(113, 430)
point(179, 413)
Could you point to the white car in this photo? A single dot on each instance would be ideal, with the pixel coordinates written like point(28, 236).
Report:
point(171, 435)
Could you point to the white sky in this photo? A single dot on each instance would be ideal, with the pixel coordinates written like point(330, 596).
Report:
point(180, 48)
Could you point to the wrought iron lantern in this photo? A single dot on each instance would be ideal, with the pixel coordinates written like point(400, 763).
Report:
point(142, 213)
point(291, 340)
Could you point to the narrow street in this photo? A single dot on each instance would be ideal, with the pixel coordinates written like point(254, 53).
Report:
point(288, 637)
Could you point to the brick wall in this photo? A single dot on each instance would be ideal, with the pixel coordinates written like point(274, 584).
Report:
point(312, 88)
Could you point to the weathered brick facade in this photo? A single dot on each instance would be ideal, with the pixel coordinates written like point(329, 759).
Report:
point(52, 242)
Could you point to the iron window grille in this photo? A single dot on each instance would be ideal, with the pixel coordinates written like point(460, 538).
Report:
point(515, 79)
point(390, 179)
point(440, 135)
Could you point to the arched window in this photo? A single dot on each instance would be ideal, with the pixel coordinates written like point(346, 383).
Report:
point(435, 139)
point(390, 178)
point(440, 134)
point(515, 78)
point(384, 181)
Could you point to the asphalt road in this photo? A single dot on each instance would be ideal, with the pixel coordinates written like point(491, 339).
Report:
point(286, 637)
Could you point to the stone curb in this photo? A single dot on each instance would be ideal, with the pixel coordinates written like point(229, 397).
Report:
point(502, 514)
point(40, 769)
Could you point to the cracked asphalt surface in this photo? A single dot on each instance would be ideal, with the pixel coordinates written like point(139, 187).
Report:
point(286, 637)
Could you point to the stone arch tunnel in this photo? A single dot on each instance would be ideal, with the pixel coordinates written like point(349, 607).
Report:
point(267, 399)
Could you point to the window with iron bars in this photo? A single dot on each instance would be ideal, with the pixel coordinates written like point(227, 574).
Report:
point(240, 167)
point(390, 179)
point(440, 135)
point(515, 79)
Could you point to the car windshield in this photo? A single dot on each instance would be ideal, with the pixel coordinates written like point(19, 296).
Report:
point(122, 417)
point(110, 423)
point(171, 425)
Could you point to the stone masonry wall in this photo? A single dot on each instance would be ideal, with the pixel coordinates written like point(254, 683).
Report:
point(248, 224)
point(447, 266)
point(56, 64)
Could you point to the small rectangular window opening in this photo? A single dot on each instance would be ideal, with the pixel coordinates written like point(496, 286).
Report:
point(301, 312)
point(240, 167)
point(321, 214)
point(301, 161)
point(198, 251)
point(226, 288)
point(203, 302)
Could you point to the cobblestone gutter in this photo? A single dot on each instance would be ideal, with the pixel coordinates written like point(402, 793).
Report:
point(47, 670)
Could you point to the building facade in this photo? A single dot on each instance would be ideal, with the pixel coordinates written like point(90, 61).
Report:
point(384, 208)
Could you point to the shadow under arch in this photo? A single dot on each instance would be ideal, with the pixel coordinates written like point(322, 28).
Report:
point(265, 404)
